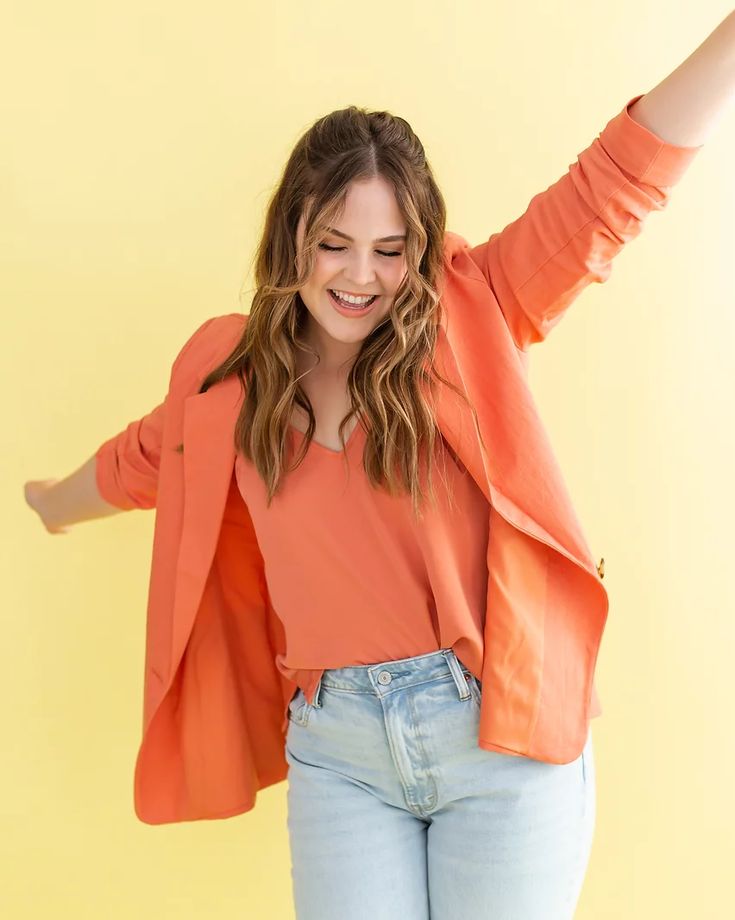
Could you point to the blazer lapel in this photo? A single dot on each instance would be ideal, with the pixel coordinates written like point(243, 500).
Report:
point(209, 457)
point(514, 465)
point(553, 519)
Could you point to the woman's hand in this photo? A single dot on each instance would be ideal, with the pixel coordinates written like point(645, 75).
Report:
point(35, 491)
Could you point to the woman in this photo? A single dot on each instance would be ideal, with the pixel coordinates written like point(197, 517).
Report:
point(368, 577)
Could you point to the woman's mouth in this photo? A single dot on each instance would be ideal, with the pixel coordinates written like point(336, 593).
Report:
point(351, 309)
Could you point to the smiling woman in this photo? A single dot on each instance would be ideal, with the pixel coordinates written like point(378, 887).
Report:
point(421, 676)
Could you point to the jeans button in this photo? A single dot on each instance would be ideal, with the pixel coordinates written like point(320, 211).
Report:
point(384, 677)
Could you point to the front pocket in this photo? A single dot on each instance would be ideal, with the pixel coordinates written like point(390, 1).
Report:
point(296, 706)
point(299, 708)
point(474, 688)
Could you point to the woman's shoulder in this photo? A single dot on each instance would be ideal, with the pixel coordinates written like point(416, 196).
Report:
point(207, 347)
point(216, 335)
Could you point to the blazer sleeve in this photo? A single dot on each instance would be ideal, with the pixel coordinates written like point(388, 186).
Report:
point(570, 233)
point(127, 464)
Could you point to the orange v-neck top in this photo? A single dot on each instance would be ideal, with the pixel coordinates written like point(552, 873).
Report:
point(354, 577)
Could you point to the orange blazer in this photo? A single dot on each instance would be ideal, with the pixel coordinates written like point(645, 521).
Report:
point(214, 708)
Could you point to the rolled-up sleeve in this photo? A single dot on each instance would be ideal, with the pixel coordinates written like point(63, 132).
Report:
point(569, 234)
point(127, 464)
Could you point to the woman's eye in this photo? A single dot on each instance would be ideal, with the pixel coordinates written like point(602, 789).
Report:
point(340, 248)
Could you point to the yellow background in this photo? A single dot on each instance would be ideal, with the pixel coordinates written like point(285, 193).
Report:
point(140, 142)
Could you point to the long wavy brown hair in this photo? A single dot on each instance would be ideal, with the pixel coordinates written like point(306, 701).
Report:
point(392, 380)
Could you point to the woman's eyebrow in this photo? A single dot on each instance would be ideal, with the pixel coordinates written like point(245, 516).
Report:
point(383, 239)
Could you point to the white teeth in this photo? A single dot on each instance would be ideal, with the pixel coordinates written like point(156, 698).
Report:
point(348, 298)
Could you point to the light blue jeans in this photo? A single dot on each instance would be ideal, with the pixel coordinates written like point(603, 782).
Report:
point(396, 813)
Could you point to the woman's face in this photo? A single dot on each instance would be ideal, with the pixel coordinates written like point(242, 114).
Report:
point(364, 264)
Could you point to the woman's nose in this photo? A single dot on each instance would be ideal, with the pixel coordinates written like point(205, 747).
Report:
point(360, 272)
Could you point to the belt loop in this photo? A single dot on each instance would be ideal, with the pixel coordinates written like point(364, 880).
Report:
point(456, 671)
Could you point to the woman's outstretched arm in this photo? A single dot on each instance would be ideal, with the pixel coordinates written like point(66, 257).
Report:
point(685, 106)
point(123, 472)
point(62, 502)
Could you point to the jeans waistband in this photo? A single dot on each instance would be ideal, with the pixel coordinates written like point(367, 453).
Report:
point(386, 677)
